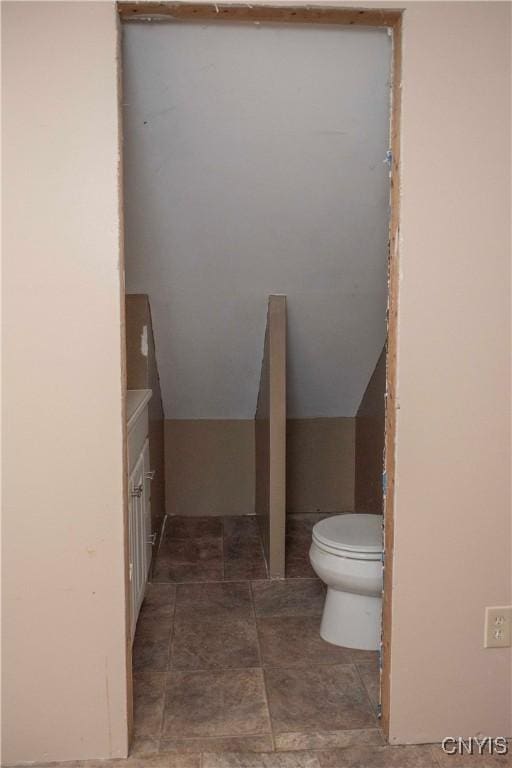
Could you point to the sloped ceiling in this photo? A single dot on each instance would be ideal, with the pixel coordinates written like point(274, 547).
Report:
point(254, 163)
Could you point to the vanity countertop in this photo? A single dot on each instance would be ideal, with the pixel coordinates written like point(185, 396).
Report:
point(136, 400)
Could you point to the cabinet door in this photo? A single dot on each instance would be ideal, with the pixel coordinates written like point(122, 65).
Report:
point(136, 538)
point(132, 555)
point(148, 539)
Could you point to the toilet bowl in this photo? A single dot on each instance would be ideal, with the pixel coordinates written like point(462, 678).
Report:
point(346, 554)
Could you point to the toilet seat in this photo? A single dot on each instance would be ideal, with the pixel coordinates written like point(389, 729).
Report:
point(353, 536)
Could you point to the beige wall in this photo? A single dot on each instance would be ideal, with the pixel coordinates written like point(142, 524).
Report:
point(63, 595)
point(63, 602)
point(209, 466)
point(369, 442)
point(320, 465)
point(452, 499)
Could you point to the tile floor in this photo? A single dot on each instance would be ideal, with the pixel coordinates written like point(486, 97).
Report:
point(230, 669)
point(228, 549)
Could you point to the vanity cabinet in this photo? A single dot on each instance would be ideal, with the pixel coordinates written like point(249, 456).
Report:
point(139, 498)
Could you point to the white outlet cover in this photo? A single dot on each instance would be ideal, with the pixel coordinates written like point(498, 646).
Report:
point(498, 626)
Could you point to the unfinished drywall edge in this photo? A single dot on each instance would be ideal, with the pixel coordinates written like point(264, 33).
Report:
point(391, 377)
point(124, 380)
point(257, 12)
point(370, 424)
point(277, 434)
point(262, 449)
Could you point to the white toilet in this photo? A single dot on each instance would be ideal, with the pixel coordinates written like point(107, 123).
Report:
point(346, 553)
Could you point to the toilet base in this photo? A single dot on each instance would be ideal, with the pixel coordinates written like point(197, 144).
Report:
point(352, 621)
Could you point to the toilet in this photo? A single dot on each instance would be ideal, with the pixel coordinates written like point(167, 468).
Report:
point(346, 554)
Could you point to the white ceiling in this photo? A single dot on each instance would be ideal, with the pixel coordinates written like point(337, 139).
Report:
point(254, 161)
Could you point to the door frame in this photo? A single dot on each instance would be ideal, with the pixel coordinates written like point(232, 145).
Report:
point(367, 17)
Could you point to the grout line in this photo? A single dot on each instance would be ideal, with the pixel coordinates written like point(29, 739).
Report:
point(265, 691)
point(436, 753)
point(255, 618)
point(365, 689)
point(192, 739)
point(223, 539)
point(236, 579)
point(221, 670)
point(168, 666)
point(262, 548)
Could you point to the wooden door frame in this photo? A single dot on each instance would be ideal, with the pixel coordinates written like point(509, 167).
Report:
point(366, 17)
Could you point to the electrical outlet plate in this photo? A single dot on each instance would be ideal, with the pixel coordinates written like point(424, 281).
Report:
point(498, 626)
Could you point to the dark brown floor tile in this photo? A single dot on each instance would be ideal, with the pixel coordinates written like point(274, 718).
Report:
point(241, 527)
point(231, 599)
point(239, 531)
point(369, 671)
point(445, 760)
point(378, 757)
point(323, 698)
point(193, 551)
point(299, 530)
point(189, 560)
point(159, 761)
point(226, 744)
point(144, 745)
point(156, 614)
point(193, 527)
point(183, 573)
point(361, 657)
point(246, 565)
point(148, 703)
point(303, 597)
point(204, 704)
point(328, 739)
point(154, 627)
point(150, 654)
point(301, 525)
point(295, 641)
point(206, 643)
point(243, 553)
point(135, 761)
point(266, 760)
point(138, 761)
point(159, 601)
point(297, 563)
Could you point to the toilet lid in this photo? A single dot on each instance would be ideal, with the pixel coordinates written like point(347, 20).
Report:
point(350, 532)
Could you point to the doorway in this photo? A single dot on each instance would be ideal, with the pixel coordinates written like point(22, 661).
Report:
point(194, 529)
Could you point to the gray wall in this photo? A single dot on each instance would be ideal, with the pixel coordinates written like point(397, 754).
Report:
point(254, 164)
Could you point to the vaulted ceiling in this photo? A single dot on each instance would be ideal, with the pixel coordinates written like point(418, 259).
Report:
point(255, 163)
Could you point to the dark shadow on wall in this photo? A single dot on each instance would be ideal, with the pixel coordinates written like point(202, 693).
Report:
point(370, 431)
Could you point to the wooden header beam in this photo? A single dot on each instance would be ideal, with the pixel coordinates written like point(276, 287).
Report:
point(175, 11)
